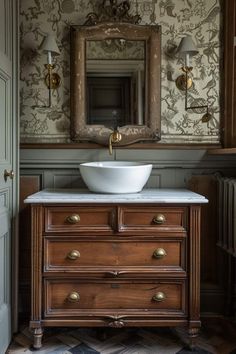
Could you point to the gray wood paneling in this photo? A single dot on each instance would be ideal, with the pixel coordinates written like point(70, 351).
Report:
point(8, 187)
point(171, 168)
point(5, 295)
point(163, 158)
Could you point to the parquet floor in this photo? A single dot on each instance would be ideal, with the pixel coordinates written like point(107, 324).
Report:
point(217, 336)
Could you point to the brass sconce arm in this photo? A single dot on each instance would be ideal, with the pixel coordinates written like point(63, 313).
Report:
point(184, 82)
point(188, 82)
point(115, 137)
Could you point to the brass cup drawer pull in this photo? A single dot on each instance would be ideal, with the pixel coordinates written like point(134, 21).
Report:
point(73, 255)
point(73, 219)
point(159, 219)
point(159, 297)
point(73, 297)
point(159, 253)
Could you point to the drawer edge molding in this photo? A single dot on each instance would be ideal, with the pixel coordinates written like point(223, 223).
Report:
point(137, 272)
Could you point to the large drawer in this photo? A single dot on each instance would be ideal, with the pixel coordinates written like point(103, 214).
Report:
point(70, 297)
point(79, 219)
point(152, 218)
point(69, 255)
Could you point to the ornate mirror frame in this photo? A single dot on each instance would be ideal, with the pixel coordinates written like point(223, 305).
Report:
point(151, 35)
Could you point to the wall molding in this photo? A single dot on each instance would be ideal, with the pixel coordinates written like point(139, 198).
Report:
point(171, 158)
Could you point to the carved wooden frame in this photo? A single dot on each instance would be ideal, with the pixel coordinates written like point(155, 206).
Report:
point(150, 131)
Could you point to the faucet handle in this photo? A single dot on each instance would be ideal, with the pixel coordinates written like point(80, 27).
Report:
point(114, 137)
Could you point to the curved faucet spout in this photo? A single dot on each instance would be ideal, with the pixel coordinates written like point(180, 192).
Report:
point(114, 137)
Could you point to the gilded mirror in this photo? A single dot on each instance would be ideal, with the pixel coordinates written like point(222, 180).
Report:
point(115, 80)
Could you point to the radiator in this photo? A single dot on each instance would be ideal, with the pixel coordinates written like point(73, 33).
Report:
point(226, 205)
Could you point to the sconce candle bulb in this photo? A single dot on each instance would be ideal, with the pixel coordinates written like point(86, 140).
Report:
point(187, 59)
point(49, 57)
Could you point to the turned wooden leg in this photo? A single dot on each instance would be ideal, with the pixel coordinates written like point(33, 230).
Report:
point(38, 334)
point(193, 333)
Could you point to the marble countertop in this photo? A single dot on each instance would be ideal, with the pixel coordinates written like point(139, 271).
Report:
point(146, 196)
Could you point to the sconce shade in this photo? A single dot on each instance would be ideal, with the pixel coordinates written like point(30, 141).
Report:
point(187, 46)
point(49, 44)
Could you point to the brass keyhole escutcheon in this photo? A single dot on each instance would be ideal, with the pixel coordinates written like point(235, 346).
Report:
point(73, 219)
point(159, 219)
point(73, 255)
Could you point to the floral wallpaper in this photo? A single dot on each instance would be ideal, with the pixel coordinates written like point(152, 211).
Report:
point(115, 49)
point(199, 18)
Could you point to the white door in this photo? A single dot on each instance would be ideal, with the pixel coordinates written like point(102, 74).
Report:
point(8, 161)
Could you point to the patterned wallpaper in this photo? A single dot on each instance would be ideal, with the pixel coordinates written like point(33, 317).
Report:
point(200, 18)
point(115, 49)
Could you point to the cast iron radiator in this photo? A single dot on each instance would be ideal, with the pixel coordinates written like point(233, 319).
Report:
point(227, 214)
point(226, 239)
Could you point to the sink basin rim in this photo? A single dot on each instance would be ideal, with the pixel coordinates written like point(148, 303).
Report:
point(116, 164)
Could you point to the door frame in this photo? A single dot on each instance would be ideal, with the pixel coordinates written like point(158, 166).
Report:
point(15, 167)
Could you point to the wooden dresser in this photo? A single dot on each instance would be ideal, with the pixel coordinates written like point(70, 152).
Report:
point(115, 260)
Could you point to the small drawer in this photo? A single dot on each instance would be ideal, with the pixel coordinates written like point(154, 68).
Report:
point(66, 254)
point(79, 219)
point(69, 297)
point(151, 218)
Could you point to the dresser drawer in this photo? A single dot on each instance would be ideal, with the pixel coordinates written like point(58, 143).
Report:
point(79, 219)
point(71, 296)
point(64, 254)
point(153, 218)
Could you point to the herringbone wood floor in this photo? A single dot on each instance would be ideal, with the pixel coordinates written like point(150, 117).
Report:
point(217, 336)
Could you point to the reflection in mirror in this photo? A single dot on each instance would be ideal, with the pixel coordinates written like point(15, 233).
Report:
point(115, 79)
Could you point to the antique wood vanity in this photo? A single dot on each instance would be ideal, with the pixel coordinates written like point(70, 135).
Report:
point(115, 260)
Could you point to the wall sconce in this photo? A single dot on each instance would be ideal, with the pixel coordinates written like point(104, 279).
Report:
point(184, 82)
point(52, 80)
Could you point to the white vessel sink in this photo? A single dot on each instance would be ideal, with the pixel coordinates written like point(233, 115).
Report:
point(115, 176)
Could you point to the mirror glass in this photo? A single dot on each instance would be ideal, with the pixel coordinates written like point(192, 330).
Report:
point(115, 82)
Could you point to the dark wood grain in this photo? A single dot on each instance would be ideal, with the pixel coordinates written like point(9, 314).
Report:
point(90, 217)
point(114, 273)
point(28, 185)
point(122, 296)
point(112, 253)
point(228, 122)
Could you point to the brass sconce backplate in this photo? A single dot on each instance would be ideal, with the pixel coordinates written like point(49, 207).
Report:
point(206, 117)
point(181, 82)
point(55, 81)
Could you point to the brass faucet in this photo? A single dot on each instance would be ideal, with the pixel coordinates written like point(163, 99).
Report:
point(114, 137)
